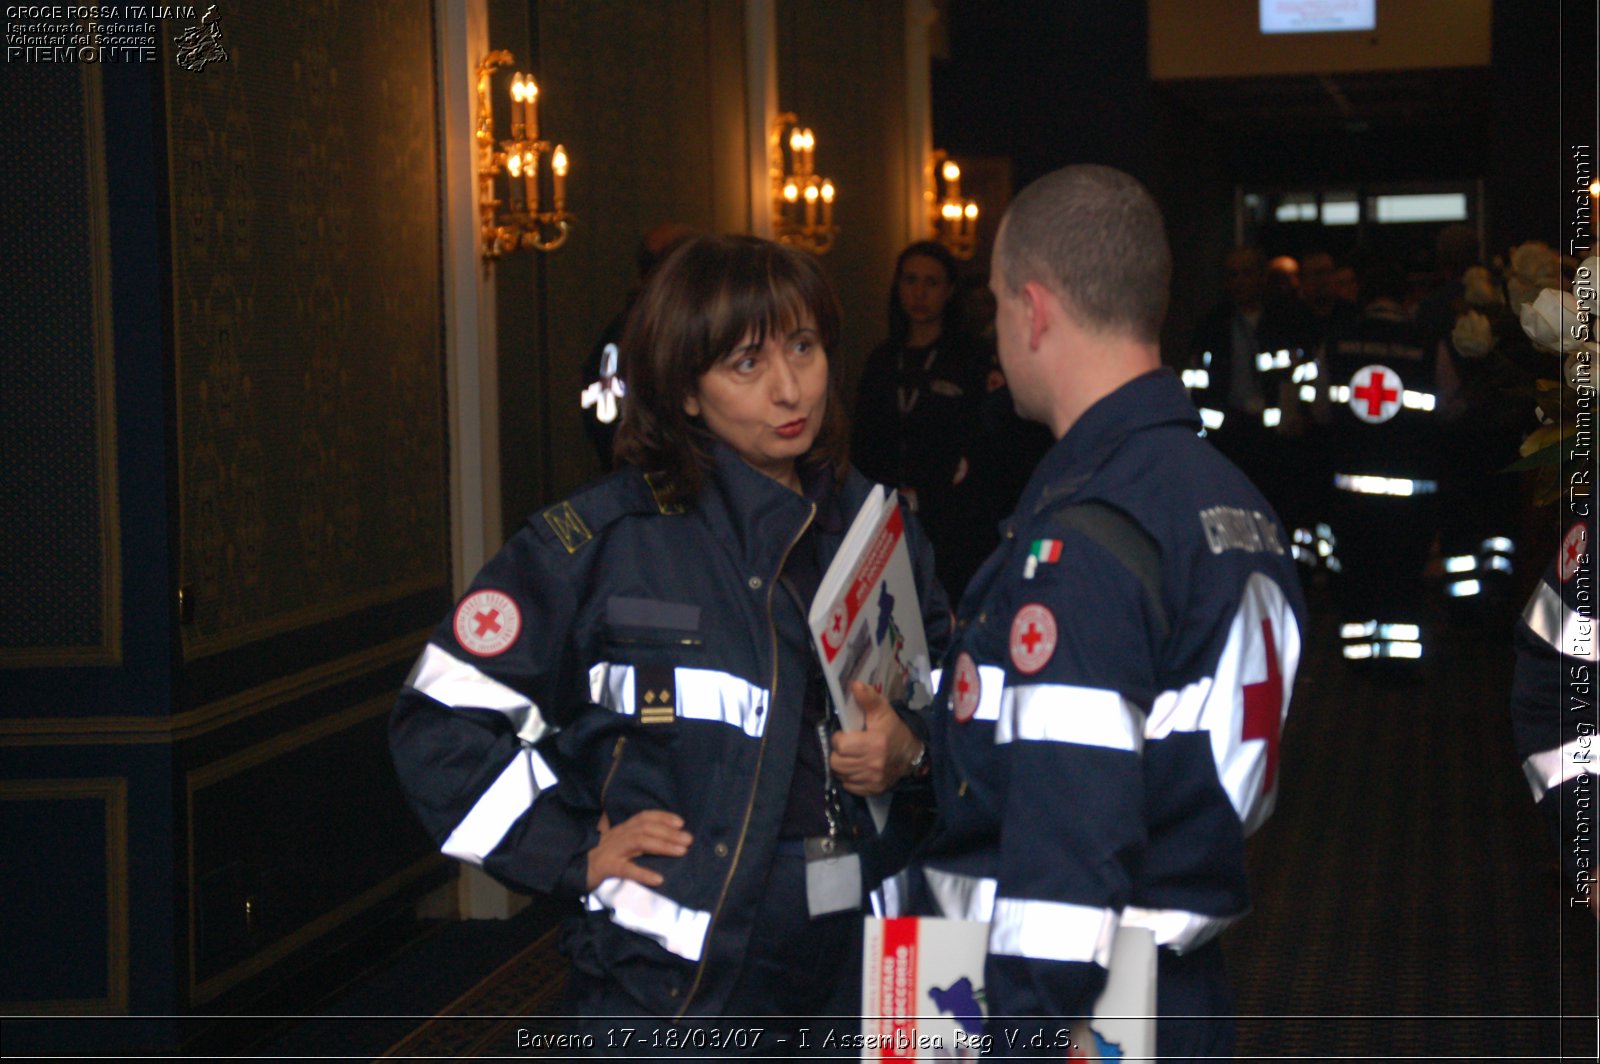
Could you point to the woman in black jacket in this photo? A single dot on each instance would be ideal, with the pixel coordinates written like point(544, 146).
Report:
point(625, 706)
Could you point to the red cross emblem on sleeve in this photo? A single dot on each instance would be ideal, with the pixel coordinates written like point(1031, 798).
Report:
point(1033, 638)
point(1375, 393)
point(1572, 551)
point(487, 623)
point(1263, 708)
point(968, 689)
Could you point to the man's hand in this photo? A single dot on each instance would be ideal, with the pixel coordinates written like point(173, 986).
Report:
point(870, 762)
point(654, 831)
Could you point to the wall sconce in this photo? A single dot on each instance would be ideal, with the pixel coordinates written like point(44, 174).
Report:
point(518, 221)
point(954, 220)
point(802, 202)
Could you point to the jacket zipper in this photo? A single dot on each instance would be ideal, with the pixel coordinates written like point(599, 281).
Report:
point(616, 759)
point(755, 783)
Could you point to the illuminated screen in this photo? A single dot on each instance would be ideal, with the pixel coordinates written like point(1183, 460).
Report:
point(1317, 16)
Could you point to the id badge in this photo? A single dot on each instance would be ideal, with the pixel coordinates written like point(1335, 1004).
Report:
point(833, 876)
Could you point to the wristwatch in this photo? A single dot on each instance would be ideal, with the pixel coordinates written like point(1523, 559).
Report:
point(919, 764)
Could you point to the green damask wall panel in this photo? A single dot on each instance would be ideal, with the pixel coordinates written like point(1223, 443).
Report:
point(59, 558)
point(307, 310)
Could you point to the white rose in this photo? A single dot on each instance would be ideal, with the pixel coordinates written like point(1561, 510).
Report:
point(1534, 266)
point(1585, 282)
point(1478, 287)
point(1549, 322)
point(1473, 336)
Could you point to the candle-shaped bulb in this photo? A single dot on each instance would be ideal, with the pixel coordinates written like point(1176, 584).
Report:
point(514, 164)
point(951, 171)
point(791, 192)
point(1594, 188)
point(530, 90)
point(558, 167)
point(797, 140)
point(950, 211)
point(810, 141)
point(811, 193)
point(827, 192)
point(517, 93)
point(971, 210)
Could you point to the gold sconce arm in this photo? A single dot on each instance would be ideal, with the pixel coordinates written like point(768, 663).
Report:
point(518, 221)
point(952, 219)
point(802, 199)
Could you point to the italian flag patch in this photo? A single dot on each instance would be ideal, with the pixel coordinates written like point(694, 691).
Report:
point(1043, 552)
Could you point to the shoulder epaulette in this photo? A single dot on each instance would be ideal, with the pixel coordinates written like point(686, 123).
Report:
point(576, 520)
point(1126, 540)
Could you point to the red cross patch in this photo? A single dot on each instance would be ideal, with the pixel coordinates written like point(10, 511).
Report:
point(1033, 638)
point(1375, 393)
point(487, 623)
point(1572, 551)
point(967, 689)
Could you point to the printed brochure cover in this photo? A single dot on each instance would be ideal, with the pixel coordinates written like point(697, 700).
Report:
point(866, 619)
point(922, 993)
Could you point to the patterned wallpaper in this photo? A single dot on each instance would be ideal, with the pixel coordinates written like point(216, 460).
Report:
point(308, 319)
point(59, 557)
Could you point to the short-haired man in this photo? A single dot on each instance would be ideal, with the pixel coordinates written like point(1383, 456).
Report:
point(1107, 727)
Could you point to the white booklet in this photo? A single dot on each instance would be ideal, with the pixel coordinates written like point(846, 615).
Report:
point(922, 995)
point(866, 619)
point(867, 622)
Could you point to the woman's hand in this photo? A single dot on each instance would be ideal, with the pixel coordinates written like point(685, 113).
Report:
point(870, 762)
point(654, 831)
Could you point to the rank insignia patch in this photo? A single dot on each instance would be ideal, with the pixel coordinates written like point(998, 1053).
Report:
point(568, 526)
point(655, 694)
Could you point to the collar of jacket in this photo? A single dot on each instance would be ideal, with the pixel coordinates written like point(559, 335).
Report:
point(1150, 399)
point(755, 517)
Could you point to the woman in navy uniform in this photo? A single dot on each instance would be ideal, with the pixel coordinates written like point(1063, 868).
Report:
point(625, 707)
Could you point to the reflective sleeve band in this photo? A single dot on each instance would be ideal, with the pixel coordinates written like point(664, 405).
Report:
point(1177, 930)
point(1052, 931)
point(1423, 401)
point(701, 694)
point(1061, 713)
point(1211, 419)
point(960, 896)
point(888, 899)
point(502, 805)
point(991, 693)
point(1549, 769)
point(1370, 485)
point(1567, 631)
point(1271, 417)
point(676, 928)
point(452, 682)
point(1196, 378)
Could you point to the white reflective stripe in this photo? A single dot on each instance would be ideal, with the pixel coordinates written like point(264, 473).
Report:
point(961, 897)
point(1052, 931)
point(1460, 563)
point(1463, 589)
point(1417, 400)
point(702, 694)
point(1264, 361)
point(447, 679)
point(1549, 769)
point(1552, 620)
point(1177, 930)
point(1271, 417)
point(1339, 393)
point(1305, 371)
point(499, 807)
point(611, 685)
point(1308, 393)
point(936, 678)
point(1281, 358)
point(1211, 419)
point(678, 929)
point(991, 693)
point(709, 694)
point(1369, 485)
point(1196, 378)
point(888, 899)
point(1216, 704)
point(1062, 713)
point(1498, 544)
point(1205, 359)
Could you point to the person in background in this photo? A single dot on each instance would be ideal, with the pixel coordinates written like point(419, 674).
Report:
point(1553, 717)
point(1106, 732)
point(916, 399)
point(625, 707)
point(604, 381)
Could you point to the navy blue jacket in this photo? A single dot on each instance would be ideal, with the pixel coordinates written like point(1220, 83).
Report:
point(1107, 726)
point(622, 653)
point(1553, 716)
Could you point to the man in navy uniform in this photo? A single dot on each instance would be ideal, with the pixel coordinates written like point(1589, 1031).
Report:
point(1107, 727)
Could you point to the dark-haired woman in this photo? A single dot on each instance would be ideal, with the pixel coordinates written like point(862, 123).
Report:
point(917, 399)
point(625, 707)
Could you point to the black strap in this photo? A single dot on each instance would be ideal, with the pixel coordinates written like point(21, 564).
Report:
point(1127, 541)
